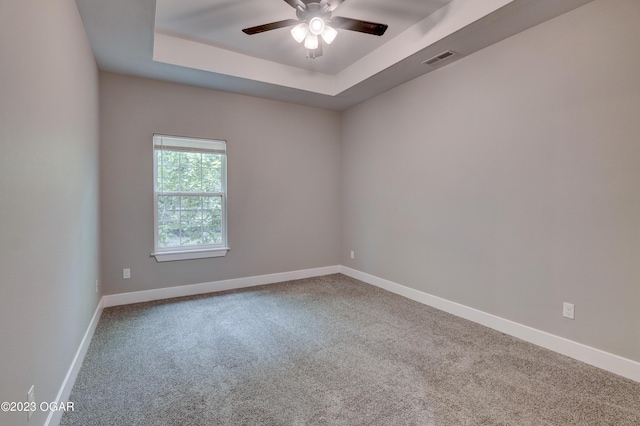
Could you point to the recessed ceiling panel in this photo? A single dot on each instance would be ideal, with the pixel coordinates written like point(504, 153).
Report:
point(220, 23)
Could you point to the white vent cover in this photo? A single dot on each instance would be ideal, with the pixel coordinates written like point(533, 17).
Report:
point(441, 57)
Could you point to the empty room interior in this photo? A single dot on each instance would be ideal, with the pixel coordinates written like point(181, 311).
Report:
point(350, 212)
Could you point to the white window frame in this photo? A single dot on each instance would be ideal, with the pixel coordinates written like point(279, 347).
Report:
point(166, 254)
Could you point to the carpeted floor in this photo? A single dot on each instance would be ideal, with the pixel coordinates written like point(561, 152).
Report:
point(329, 350)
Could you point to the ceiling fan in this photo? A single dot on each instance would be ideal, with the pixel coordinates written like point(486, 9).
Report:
point(315, 24)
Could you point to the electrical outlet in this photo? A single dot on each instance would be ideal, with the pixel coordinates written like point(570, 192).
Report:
point(31, 399)
point(97, 286)
point(568, 310)
point(126, 273)
point(353, 255)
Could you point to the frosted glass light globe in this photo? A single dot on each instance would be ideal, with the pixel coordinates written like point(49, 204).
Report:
point(316, 26)
point(300, 31)
point(311, 42)
point(329, 34)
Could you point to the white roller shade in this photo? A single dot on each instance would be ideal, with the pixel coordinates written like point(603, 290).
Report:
point(176, 143)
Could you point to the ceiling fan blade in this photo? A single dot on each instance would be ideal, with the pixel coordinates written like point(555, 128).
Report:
point(295, 3)
point(332, 4)
point(357, 25)
point(271, 26)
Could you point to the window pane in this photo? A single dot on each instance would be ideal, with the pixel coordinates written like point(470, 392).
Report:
point(169, 234)
point(190, 172)
point(168, 221)
point(212, 172)
point(191, 221)
point(170, 158)
point(168, 208)
point(170, 179)
point(168, 173)
point(212, 220)
point(191, 228)
point(191, 203)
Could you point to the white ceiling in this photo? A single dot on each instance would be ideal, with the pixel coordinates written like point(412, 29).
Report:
point(200, 42)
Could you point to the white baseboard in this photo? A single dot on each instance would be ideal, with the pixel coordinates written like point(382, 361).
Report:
point(65, 390)
point(587, 354)
point(232, 284)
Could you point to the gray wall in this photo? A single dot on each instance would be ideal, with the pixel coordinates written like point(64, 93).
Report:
point(509, 180)
point(283, 181)
point(48, 196)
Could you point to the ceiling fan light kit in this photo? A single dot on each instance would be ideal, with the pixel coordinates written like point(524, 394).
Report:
point(314, 19)
point(309, 33)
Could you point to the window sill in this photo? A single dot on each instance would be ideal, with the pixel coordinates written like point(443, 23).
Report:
point(169, 256)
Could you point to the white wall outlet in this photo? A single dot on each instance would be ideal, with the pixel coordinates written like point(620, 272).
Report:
point(353, 255)
point(126, 273)
point(568, 310)
point(31, 399)
point(97, 286)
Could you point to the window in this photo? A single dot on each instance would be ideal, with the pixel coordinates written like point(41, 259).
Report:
point(190, 198)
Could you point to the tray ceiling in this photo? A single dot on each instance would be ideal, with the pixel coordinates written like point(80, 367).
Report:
point(200, 42)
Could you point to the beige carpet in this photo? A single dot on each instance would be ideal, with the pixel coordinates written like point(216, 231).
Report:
point(329, 350)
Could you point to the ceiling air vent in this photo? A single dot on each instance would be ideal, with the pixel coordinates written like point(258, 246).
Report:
point(441, 57)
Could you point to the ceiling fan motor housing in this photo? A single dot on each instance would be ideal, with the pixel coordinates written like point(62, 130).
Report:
point(313, 10)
